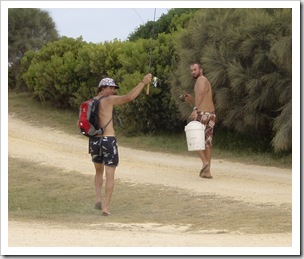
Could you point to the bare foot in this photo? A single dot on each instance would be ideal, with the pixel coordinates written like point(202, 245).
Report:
point(208, 176)
point(105, 213)
point(204, 170)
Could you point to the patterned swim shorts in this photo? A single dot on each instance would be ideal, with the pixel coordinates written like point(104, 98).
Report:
point(104, 150)
point(208, 119)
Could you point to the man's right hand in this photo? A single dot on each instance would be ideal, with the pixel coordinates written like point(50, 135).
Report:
point(188, 98)
point(147, 79)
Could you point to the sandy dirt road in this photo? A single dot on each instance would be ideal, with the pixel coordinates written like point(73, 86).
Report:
point(250, 183)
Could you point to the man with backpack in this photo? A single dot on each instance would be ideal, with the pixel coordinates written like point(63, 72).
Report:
point(103, 147)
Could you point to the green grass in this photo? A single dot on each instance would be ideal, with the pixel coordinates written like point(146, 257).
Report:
point(226, 145)
point(47, 194)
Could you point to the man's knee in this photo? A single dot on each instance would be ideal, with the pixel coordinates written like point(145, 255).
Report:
point(99, 168)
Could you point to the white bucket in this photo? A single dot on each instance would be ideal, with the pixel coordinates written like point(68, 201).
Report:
point(195, 134)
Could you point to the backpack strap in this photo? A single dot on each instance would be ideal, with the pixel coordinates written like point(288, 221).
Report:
point(99, 99)
point(108, 123)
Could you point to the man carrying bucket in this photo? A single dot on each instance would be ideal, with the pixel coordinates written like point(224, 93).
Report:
point(203, 111)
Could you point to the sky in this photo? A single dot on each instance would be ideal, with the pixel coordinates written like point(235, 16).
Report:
point(101, 24)
point(100, 21)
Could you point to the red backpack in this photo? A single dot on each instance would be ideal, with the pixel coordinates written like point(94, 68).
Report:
point(88, 118)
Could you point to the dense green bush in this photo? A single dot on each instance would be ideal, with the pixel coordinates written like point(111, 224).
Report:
point(67, 72)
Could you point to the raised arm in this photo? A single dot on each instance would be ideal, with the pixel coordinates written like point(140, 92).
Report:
point(119, 100)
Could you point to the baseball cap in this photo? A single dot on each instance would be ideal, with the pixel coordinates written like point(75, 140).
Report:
point(108, 82)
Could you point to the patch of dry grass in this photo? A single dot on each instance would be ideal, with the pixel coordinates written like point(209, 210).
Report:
point(48, 194)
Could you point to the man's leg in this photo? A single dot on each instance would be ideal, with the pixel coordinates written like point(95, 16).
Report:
point(205, 156)
point(202, 156)
point(99, 168)
point(110, 171)
point(208, 142)
point(208, 155)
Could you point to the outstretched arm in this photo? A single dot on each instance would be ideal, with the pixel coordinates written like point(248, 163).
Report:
point(119, 100)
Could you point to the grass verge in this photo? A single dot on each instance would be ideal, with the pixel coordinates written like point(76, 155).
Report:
point(42, 193)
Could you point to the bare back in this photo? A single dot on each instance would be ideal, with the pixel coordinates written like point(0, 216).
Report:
point(105, 117)
point(106, 112)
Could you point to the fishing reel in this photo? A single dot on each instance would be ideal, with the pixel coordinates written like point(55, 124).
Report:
point(154, 81)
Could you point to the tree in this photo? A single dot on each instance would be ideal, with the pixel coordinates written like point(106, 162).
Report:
point(173, 21)
point(246, 55)
point(28, 29)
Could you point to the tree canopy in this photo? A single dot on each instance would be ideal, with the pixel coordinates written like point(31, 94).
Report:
point(175, 20)
point(246, 55)
point(28, 29)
